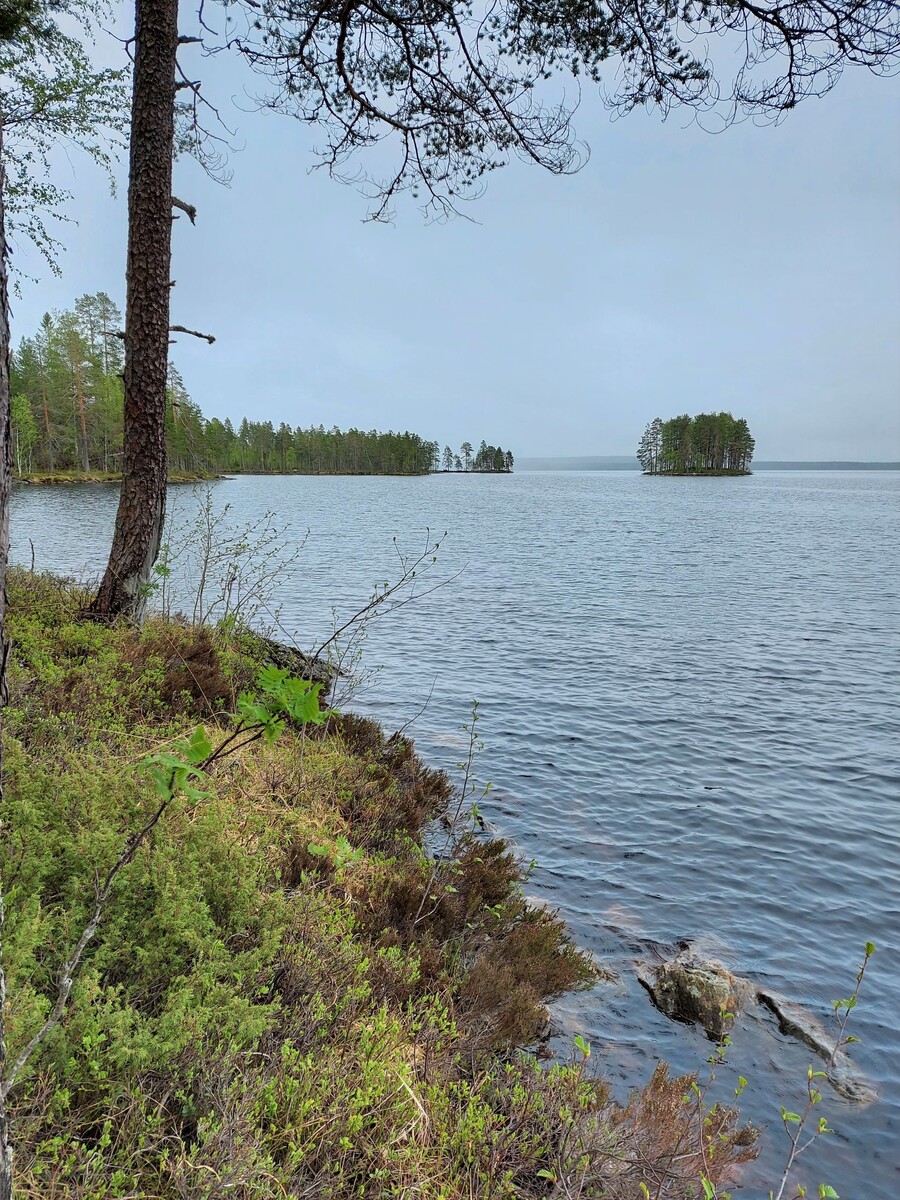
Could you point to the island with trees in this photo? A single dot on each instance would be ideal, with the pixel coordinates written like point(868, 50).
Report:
point(708, 444)
point(487, 459)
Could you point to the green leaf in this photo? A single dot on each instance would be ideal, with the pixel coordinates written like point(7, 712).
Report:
point(272, 731)
point(826, 1192)
point(271, 678)
point(870, 949)
point(252, 711)
point(164, 758)
point(583, 1046)
point(317, 850)
point(162, 783)
point(199, 748)
point(302, 703)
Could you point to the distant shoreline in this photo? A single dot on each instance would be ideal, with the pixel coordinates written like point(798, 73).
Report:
point(65, 477)
point(627, 463)
point(47, 478)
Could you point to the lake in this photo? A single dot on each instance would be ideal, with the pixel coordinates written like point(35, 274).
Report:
point(688, 698)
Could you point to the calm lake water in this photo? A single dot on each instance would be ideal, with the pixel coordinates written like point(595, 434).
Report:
point(688, 694)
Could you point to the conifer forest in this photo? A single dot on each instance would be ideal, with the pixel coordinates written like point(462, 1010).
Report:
point(67, 418)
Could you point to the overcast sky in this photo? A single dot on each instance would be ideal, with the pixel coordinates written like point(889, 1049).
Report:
point(756, 270)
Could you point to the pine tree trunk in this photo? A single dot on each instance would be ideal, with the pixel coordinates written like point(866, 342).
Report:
point(142, 503)
point(50, 457)
point(82, 417)
point(6, 1160)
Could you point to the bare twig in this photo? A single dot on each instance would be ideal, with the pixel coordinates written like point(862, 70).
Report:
point(795, 1123)
point(453, 825)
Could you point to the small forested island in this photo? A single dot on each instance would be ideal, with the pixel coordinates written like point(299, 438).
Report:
point(708, 444)
point(67, 419)
point(485, 459)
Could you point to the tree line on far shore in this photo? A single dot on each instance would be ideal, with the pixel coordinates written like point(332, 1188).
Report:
point(485, 458)
point(67, 417)
point(708, 444)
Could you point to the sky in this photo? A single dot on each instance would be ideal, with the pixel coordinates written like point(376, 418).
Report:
point(755, 270)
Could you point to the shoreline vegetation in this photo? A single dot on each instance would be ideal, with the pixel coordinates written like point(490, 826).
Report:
point(61, 477)
point(694, 474)
point(174, 477)
point(288, 992)
point(67, 420)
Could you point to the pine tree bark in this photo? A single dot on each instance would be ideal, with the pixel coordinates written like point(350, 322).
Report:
point(142, 502)
point(6, 1154)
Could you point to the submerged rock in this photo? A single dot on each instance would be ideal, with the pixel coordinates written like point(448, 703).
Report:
point(702, 991)
point(843, 1074)
point(696, 990)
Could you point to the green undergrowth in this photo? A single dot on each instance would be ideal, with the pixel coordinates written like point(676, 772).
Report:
point(284, 998)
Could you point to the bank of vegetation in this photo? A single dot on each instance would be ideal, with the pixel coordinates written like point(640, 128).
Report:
point(67, 417)
point(286, 994)
point(708, 444)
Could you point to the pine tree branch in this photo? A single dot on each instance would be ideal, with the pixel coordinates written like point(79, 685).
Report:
point(207, 337)
point(190, 209)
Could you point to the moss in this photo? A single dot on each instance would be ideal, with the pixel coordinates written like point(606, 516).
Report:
point(284, 997)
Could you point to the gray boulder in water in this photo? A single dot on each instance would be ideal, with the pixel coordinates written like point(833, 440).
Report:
point(702, 991)
point(696, 990)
